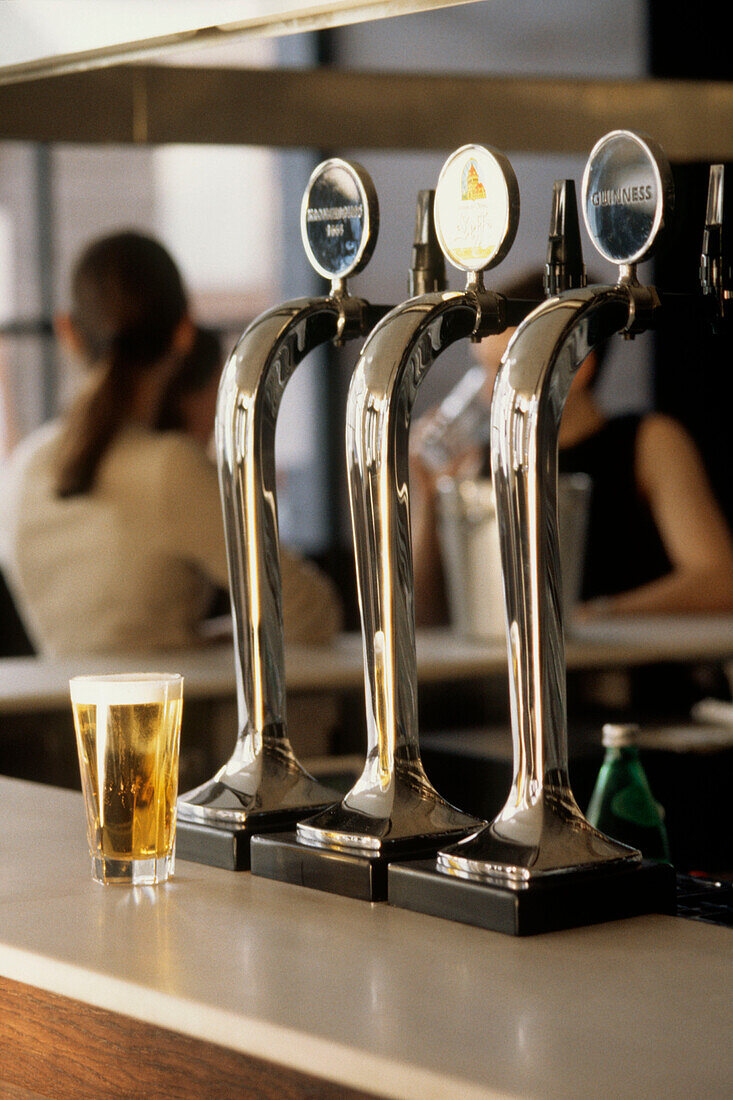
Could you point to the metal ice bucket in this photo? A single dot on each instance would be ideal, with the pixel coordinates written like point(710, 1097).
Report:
point(469, 541)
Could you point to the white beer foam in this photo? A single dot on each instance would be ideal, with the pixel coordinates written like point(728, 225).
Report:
point(125, 689)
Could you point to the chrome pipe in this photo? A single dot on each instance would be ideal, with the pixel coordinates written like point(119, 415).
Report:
point(393, 801)
point(541, 829)
point(262, 775)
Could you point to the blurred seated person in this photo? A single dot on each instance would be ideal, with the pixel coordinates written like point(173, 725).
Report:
point(111, 530)
point(657, 539)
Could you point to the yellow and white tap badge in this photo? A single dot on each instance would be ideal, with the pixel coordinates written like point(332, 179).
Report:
point(471, 208)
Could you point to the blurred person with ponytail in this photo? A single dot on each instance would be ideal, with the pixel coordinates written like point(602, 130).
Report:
point(111, 531)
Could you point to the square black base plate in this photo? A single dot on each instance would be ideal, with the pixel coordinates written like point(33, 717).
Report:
point(351, 874)
point(227, 847)
point(561, 901)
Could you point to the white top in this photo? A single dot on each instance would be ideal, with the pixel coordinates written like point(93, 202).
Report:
point(397, 1003)
point(133, 564)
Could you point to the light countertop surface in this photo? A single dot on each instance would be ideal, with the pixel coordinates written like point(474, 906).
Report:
point(32, 684)
point(398, 1003)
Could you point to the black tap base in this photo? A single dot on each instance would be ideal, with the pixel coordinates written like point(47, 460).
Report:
point(361, 875)
point(228, 846)
point(548, 905)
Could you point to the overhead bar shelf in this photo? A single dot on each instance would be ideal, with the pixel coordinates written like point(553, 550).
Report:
point(85, 95)
point(329, 108)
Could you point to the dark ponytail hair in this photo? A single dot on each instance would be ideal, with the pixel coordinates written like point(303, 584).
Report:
point(196, 371)
point(128, 300)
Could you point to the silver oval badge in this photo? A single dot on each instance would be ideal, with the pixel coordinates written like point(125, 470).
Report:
point(339, 218)
point(627, 194)
point(476, 207)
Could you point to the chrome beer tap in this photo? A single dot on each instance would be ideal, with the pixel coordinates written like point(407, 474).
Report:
point(564, 268)
point(716, 261)
point(541, 832)
point(393, 808)
point(263, 786)
point(427, 271)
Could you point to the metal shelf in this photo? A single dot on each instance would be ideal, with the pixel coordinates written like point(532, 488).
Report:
point(330, 108)
point(86, 95)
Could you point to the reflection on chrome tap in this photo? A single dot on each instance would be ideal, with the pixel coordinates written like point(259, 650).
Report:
point(541, 830)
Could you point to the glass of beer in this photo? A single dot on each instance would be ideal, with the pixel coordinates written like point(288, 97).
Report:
point(127, 733)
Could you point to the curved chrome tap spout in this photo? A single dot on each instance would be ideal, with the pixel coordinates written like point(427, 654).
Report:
point(393, 801)
point(540, 830)
point(263, 775)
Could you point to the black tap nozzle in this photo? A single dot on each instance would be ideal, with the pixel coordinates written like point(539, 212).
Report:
point(716, 261)
point(427, 271)
point(564, 269)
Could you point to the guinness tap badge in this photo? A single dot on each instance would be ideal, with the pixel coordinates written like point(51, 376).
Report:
point(476, 208)
point(627, 192)
point(339, 218)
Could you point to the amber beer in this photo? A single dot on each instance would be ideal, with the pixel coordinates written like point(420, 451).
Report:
point(127, 732)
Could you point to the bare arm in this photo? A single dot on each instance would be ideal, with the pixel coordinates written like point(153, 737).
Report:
point(671, 475)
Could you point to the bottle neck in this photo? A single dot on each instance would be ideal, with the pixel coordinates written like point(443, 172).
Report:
point(627, 753)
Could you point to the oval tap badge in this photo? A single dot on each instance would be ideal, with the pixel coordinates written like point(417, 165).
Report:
point(627, 194)
point(339, 218)
point(476, 207)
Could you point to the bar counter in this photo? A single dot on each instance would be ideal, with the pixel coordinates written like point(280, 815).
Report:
point(35, 684)
point(291, 984)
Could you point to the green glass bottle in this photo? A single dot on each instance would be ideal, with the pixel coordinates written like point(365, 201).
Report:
point(622, 805)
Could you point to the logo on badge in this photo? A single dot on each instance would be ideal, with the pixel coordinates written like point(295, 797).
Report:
point(471, 186)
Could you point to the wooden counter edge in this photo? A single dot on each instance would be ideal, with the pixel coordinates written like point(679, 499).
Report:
point(53, 1046)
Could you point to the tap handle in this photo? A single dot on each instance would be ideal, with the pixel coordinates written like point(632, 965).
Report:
point(476, 209)
point(564, 269)
point(627, 197)
point(427, 272)
point(339, 220)
point(716, 262)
